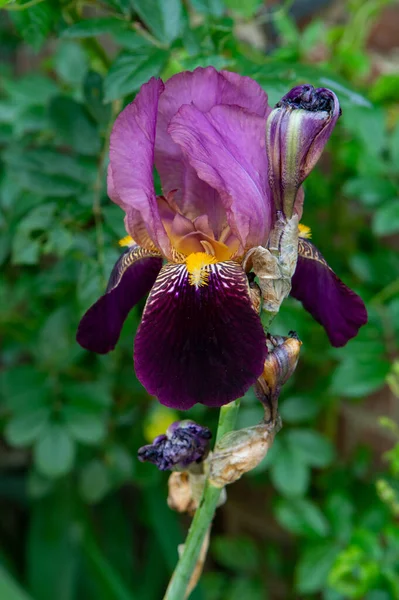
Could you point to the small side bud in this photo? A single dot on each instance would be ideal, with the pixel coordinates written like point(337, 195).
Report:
point(184, 444)
point(280, 364)
point(296, 132)
point(239, 452)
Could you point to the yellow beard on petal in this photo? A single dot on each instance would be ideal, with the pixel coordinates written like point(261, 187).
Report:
point(126, 241)
point(196, 264)
point(304, 231)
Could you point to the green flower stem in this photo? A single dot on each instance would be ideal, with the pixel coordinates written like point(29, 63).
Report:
point(202, 519)
point(267, 318)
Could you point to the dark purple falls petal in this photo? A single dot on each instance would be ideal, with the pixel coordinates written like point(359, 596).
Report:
point(326, 297)
point(199, 344)
point(132, 277)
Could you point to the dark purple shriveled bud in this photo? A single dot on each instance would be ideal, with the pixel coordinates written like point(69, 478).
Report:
point(184, 443)
point(296, 132)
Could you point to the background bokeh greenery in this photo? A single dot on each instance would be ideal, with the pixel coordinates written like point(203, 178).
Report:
point(80, 516)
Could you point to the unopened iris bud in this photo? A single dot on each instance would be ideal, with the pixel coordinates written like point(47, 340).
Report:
point(185, 443)
point(296, 132)
point(280, 364)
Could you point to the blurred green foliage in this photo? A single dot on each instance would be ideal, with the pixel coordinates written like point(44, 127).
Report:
point(82, 518)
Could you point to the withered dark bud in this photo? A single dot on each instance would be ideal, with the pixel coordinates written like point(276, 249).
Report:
point(184, 444)
point(279, 365)
point(296, 132)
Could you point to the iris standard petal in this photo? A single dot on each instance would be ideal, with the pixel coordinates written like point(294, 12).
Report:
point(204, 88)
point(226, 147)
point(130, 174)
point(200, 343)
point(132, 277)
point(326, 297)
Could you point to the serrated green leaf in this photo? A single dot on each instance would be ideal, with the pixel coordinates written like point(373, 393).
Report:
point(54, 452)
point(130, 70)
point(35, 23)
point(93, 27)
point(163, 17)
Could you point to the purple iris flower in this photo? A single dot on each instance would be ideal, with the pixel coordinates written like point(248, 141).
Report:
point(200, 338)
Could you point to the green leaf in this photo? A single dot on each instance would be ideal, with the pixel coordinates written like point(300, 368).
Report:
point(314, 566)
point(289, 472)
point(214, 8)
point(71, 62)
point(315, 449)
point(247, 9)
point(104, 572)
point(356, 378)
point(24, 388)
point(131, 40)
point(95, 26)
point(236, 553)
point(88, 396)
point(35, 23)
point(163, 17)
point(302, 517)
point(394, 146)
point(54, 348)
point(369, 189)
point(74, 126)
point(9, 588)
point(31, 90)
point(50, 161)
point(23, 429)
point(85, 427)
point(54, 453)
point(94, 96)
point(26, 247)
point(297, 409)
point(130, 70)
point(386, 218)
point(54, 534)
point(94, 481)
